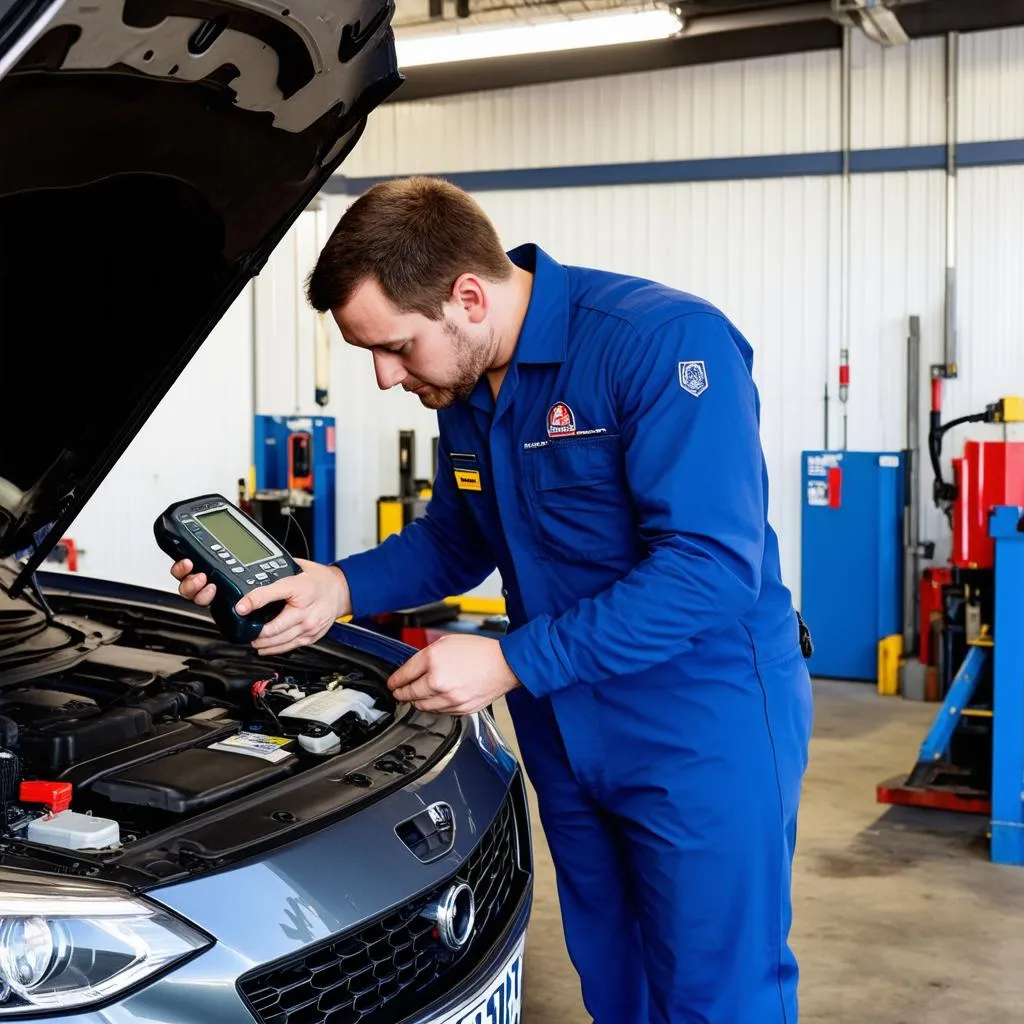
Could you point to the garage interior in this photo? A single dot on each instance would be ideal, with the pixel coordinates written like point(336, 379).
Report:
point(845, 179)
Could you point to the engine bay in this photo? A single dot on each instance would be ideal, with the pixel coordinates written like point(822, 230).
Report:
point(157, 722)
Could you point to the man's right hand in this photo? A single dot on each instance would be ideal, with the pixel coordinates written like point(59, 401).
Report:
point(314, 600)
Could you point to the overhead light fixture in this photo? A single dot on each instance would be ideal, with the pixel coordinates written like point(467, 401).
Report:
point(875, 19)
point(881, 25)
point(538, 37)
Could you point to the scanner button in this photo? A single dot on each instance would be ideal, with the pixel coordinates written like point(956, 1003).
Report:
point(216, 547)
point(261, 575)
point(239, 568)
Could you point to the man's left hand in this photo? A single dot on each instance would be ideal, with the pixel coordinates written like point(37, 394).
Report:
point(455, 675)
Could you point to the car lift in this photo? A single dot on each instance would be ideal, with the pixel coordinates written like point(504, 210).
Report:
point(932, 783)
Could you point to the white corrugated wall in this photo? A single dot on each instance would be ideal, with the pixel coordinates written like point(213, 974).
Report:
point(778, 105)
point(769, 251)
point(198, 440)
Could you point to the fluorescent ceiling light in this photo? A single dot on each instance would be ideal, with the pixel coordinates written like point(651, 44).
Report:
point(545, 37)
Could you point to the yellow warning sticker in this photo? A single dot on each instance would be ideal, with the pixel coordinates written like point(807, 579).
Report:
point(468, 479)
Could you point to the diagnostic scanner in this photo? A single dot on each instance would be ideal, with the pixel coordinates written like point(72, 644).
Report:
point(234, 551)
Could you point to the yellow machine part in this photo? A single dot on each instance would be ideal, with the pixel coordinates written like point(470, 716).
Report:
point(479, 605)
point(389, 517)
point(890, 651)
point(390, 520)
point(1011, 410)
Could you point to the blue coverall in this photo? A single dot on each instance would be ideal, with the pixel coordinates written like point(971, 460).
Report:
point(619, 486)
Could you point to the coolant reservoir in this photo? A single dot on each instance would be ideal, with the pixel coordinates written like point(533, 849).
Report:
point(330, 705)
point(70, 830)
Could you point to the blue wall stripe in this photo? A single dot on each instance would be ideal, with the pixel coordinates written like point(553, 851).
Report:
point(905, 158)
point(730, 168)
point(990, 154)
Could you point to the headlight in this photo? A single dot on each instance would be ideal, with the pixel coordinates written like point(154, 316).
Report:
point(63, 953)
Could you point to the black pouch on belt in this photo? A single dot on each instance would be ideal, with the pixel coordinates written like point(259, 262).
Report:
point(806, 643)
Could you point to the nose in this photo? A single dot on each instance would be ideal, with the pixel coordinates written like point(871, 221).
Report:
point(389, 370)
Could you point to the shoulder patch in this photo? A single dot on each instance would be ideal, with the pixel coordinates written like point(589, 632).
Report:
point(693, 377)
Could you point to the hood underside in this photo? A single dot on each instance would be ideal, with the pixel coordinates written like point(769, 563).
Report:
point(154, 153)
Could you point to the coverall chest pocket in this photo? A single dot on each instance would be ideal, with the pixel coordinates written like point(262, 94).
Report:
point(580, 502)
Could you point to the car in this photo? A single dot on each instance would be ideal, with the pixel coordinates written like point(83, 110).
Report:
point(191, 832)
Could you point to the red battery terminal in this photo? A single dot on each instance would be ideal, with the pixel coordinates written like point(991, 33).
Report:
point(56, 795)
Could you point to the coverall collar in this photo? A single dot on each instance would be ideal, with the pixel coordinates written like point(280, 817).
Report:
point(544, 336)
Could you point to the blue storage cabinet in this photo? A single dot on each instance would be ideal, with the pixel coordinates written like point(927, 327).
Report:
point(851, 564)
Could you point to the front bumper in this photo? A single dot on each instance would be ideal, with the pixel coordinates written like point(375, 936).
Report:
point(275, 919)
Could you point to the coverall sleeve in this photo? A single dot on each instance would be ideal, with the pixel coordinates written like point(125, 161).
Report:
point(440, 554)
point(694, 468)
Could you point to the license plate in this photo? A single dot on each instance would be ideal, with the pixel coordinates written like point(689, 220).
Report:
point(500, 1000)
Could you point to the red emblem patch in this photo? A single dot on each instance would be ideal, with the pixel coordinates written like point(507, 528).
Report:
point(561, 422)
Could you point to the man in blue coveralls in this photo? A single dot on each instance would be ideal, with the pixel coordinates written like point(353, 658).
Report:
point(599, 445)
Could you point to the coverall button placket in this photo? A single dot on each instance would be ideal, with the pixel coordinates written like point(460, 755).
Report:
point(574, 708)
point(503, 474)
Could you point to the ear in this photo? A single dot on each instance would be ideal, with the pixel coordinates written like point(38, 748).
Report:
point(469, 294)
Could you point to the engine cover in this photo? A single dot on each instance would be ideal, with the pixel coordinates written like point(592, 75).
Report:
point(57, 729)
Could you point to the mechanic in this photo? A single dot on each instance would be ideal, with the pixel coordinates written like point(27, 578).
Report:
point(599, 445)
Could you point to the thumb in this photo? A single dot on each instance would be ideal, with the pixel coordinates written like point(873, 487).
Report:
point(279, 590)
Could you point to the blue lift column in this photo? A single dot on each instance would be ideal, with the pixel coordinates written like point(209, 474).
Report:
point(1007, 846)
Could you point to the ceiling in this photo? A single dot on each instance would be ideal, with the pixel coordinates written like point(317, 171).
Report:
point(416, 14)
point(712, 31)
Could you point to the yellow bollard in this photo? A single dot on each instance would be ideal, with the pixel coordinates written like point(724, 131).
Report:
point(890, 651)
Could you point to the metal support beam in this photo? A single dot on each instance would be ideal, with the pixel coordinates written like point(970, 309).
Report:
point(912, 508)
point(845, 227)
point(950, 348)
point(1005, 526)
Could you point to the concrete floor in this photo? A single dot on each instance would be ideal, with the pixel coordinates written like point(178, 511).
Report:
point(899, 917)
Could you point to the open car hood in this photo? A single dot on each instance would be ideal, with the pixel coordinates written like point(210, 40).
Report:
point(154, 154)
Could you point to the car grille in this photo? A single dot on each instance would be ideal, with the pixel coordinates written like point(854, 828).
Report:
point(394, 966)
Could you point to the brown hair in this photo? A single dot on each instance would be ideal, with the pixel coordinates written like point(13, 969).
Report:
point(415, 237)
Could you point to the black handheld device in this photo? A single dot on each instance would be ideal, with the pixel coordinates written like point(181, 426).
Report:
point(234, 551)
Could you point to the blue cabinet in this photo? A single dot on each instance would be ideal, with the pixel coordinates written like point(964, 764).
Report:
point(851, 557)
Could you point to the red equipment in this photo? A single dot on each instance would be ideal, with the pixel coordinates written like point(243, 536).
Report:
point(933, 579)
point(956, 606)
point(300, 461)
point(988, 474)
